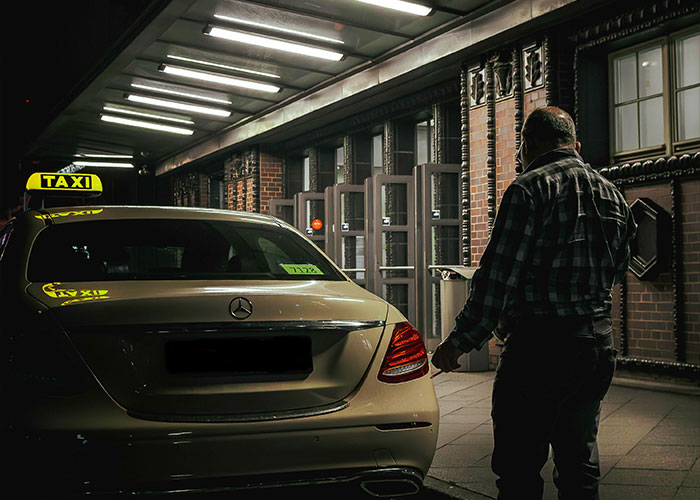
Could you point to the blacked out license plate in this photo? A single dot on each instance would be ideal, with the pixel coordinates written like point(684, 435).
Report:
point(246, 356)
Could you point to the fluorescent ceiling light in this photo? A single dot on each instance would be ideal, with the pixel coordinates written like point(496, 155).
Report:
point(177, 105)
point(273, 43)
point(102, 164)
point(91, 155)
point(147, 115)
point(149, 125)
point(278, 28)
point(400, 5)
point(179, 93)
point(216, 78)
point(223, 66)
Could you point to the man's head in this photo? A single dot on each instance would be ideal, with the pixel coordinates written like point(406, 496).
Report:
point(545, 129)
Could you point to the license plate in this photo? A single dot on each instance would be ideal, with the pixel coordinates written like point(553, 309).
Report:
point(241, 356)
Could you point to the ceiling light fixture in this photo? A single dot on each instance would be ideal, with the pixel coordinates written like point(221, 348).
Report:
point(216, 78)
point(273, 43)
point(177, 105)
point(223, 66)
point(179, 93)
point(91, 155)
point(148, 125)
point(102, 164)
point(400, 5)
point(147, 115)
point(278, 28)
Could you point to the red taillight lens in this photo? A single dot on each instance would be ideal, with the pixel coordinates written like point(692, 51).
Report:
point(406, 358)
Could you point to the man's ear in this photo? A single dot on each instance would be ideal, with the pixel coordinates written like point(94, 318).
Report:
point(577, 147)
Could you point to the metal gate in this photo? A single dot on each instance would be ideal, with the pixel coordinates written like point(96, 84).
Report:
point(308, 209)
point(345, 236)
point(438, 238)
point(283, 209)
point(390, 230)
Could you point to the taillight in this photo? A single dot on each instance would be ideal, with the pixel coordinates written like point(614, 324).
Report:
point(406, 358)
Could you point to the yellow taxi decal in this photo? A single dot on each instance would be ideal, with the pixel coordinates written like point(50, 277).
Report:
point(79, 184)
point(68, 213)
point(301, 269)
point(56, 291)
point(84, 299)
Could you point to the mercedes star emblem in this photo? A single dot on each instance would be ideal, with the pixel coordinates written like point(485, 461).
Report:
point(240, 308)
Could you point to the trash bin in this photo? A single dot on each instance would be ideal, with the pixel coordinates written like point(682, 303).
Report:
point(454, 290)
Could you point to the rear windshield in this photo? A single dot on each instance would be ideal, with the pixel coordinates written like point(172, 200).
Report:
point(162, 249)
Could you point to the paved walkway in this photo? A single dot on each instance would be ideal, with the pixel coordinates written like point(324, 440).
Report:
point(649, 442)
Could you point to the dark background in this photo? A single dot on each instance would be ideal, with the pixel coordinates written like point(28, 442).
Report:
point(50, 52)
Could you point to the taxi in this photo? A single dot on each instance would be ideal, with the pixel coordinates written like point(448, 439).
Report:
point(163, 349)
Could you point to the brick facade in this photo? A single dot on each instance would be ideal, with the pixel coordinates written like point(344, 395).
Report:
point(271, 180)
point(690, 208)
point(478, 180)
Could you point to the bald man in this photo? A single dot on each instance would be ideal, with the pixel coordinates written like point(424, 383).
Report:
point(559, 243)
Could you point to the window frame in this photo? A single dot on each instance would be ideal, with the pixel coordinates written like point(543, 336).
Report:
point(687, 144)
point(669, 95)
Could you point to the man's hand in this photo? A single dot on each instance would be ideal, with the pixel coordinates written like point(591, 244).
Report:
point(446, 355)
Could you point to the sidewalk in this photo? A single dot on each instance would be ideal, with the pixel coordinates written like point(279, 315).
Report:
point(649, 442)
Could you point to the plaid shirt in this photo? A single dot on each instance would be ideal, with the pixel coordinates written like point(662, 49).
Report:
point(559, 242)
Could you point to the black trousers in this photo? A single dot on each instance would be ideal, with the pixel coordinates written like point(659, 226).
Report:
point(549, 384)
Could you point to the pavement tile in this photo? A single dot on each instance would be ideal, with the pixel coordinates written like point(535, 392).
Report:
point(447, 407)
point(464, 416)
point(644, 477)
point(692, 479)
point(696, 466)
point(629, 492)
point(475, 439)
point(449, 432)
point(655, 462)
point(687, 494)
point(453, 455)
point(487, 488)
point(483, 429)
point(463, 474)
point(669, 435)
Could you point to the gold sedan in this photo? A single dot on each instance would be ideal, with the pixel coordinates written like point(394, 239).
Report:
point(170, 349)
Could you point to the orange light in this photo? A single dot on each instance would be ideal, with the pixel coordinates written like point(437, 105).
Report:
point(317, 224)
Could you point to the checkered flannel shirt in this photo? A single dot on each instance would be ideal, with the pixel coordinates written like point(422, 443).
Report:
point(559, 242)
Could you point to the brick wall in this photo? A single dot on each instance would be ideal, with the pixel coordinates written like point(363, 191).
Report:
point(649, 303)
point(533, 99)
point(690, 208)
point(505, 146)
point(271, 180)
point(478, 145)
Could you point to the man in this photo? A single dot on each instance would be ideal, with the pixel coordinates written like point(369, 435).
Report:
point(559, 243)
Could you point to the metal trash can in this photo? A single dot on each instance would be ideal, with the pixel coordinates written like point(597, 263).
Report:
point(454, 290)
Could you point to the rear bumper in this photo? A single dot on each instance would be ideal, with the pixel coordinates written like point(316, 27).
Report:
point(383, 463)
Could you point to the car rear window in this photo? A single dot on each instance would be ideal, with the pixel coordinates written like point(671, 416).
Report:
point(155, 249)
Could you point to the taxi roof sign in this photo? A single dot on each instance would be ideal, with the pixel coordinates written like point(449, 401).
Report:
point(57, 184)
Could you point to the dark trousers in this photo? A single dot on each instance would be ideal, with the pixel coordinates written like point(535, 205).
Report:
point(549, 384)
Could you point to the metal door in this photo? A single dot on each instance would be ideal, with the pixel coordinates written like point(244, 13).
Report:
point(308, 210)
point(438, 238)
point(283, 209)
point(348, 226)
point(393, 241)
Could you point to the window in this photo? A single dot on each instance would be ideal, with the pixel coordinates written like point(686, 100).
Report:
point(306, 175)
point(340, 165)
point(173, 249)
point(655, 97)
point(377, 154)
point(423, 141)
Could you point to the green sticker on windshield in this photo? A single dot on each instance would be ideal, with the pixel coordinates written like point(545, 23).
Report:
point(301, 269)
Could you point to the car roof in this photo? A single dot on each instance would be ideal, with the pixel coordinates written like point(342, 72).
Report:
point(60, 215)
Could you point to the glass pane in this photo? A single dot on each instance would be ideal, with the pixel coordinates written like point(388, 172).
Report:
point(395, 253)
point(651, 122)
point(306, 175)
point(397, 295)
point(687, 65)
point(445, 194)
point(353, 254)
point(650, 72)
point(625, 69)
point(445, 241)
point(377, 154)
point(422, 142)
point(394, 204)
point(352, 211)
point(626, 136)
point(340, 165)
point(689, 114)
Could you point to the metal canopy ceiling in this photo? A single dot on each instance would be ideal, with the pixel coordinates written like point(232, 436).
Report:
point(362, 33)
